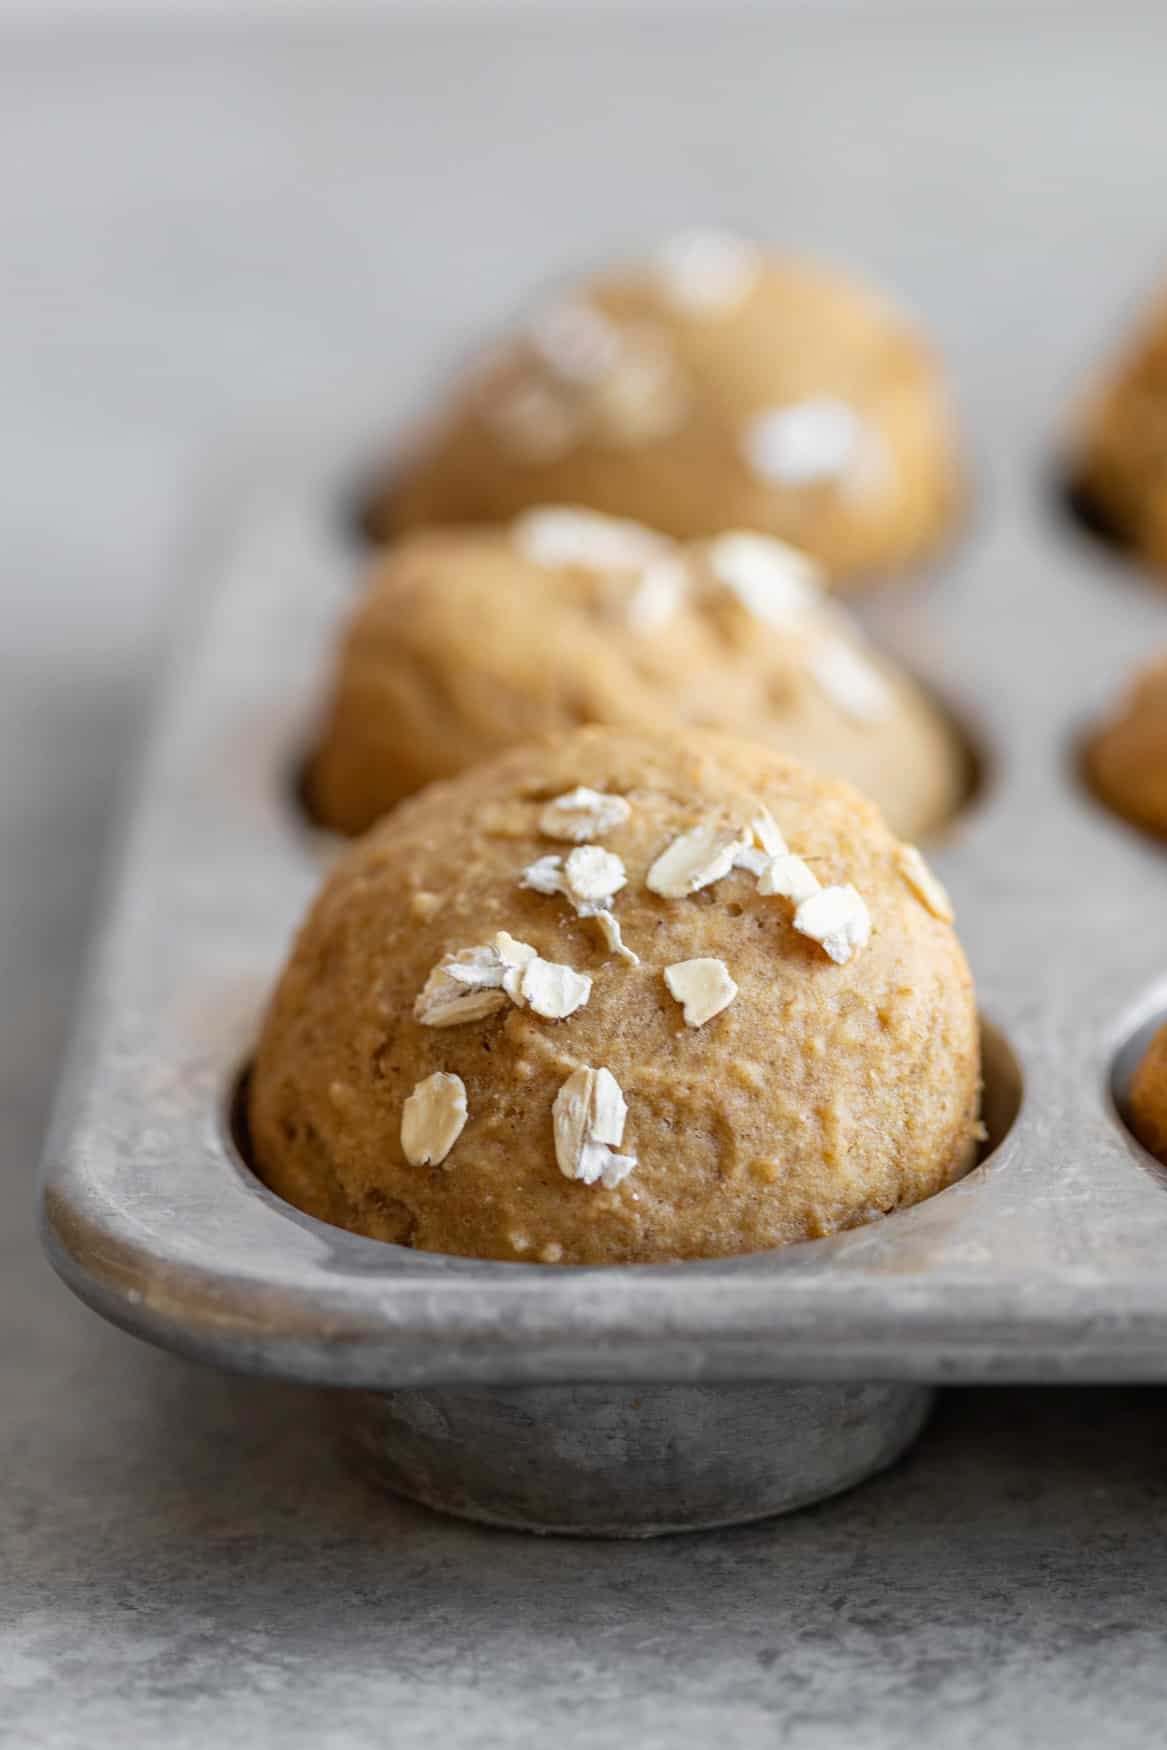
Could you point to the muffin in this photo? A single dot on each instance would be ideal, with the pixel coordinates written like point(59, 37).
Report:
point(616, 998)
point(1120, 461)
point(472, 640)
point(712, 387)
point(1126, 760)
point(1148, 1098)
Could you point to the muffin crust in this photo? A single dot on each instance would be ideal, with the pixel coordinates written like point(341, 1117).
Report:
point(1126, 760)
point(747, 1067)
point(470, 641)
point(710, 387)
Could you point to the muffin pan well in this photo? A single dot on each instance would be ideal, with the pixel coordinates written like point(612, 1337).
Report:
point(1072, 500)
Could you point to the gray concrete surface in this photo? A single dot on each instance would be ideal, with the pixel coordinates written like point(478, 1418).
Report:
point(214, 223)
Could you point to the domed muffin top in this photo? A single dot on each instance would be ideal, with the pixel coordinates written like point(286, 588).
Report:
point(1126, 759)
point(1120, 464)
point(468, 641)
point(713, 386)
point(615, 998)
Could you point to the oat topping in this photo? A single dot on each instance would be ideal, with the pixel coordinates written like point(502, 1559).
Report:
point(538, 424)
point(577, 375)
point(694, 860)
point(849, 680)
point(510, 950)
point(924, 884)
point(772, 580)
point(790, 878)
point(513, 957)
point(593, 876)
point(590, 877)
point(544, 875)
point(476, 967)
point(588, 1121)
point(576, 342)
point(582, 814)
point(753, 858)
point(807, 443)
point(609, 928)
point(761, 843)
point(589, 880)
point(659, 596)
point(432, 1119)
point(424, 905)
point(703, 988)
point(766, 833)
point(466, 986)
point(646, 395)
point(558, 535)
point(838, 919)
point(477, 982)
point(709, 851)
point(552, 990)
point(707, 273)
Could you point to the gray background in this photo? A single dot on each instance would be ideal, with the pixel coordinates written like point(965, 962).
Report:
point(221, 222)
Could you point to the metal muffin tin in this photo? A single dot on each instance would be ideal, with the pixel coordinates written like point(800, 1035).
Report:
point(633, 1399)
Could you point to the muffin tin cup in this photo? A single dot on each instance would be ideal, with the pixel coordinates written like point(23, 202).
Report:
point(628, 1461)
point(633, 1399)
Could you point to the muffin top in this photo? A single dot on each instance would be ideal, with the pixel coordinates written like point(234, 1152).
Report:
point(1121, 444)
point(469, 641)
point(1126, 760)
point(711, 387)
point(1148, 1097)
point(615, 998)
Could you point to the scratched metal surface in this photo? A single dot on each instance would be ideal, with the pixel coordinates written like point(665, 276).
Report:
point(1045, 1264)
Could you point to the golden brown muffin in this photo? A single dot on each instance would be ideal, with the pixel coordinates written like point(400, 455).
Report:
point(472, 640)
point(1121, 460)
point(1148, 1098)
point(615, 998)
point(713, 387)
point(1126, 760)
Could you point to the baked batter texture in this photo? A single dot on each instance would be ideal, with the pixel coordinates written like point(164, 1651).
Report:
point(615, 998)
point(713, 386)
point(471, 640)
